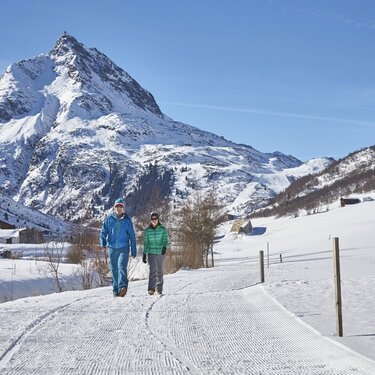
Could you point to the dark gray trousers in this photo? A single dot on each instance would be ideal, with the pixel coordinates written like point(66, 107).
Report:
point(155, 280)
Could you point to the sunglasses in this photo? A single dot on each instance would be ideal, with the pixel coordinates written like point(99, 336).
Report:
point(154, 218)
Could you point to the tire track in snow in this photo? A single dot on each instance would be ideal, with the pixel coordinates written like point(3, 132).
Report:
point(168, 345)
point(28, 330)
point(47, 339)
point(107, 339)
point(170, 348)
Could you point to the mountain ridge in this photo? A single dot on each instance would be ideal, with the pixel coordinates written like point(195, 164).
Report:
point(77, 132)
point(353, 174)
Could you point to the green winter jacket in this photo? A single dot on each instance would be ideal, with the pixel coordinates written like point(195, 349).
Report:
point(155, 239)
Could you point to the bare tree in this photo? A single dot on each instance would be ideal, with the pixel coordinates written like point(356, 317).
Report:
point(100, 264)
point(54, 252)
point(75, 254)
point(82, 243)
point(93, 260)
point(87, 275)
point(199, 219)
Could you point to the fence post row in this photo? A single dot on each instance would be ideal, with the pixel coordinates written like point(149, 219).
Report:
point(261, 262)
point(337, 278)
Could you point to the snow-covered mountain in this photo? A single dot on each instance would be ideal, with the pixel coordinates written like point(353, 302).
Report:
point(353, 174)
point(16, 214)
point(76, 131)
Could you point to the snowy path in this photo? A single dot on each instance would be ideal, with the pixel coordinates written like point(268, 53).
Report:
point(215, 321)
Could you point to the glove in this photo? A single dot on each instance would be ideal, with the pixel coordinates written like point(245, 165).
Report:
point(144, 259)
point(163, 250)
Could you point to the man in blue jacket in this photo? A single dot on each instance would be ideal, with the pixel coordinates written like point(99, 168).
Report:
point(118, 235)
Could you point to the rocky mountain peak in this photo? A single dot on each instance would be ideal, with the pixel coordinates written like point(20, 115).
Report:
point(67, 44)
point(88, 66)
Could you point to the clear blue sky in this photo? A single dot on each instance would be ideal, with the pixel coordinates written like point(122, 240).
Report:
point(296, 76)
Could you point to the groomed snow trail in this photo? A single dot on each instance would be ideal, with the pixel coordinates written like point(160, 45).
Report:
point(215, 321)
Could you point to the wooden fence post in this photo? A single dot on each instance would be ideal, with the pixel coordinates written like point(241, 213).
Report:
point(261, 262)
point(336, 261)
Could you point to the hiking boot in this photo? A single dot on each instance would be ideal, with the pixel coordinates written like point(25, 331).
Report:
point(122, 292)
point(151, 292)
point(159, 292)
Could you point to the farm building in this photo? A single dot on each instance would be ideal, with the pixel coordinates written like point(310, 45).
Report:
point(242, 226)
point(345, 201)
point(9, 236)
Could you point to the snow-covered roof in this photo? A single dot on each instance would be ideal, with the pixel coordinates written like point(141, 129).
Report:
point(9, 233)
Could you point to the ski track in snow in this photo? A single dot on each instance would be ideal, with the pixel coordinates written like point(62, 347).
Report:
point(215, 321)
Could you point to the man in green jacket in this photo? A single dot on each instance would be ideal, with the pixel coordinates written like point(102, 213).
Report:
point(154, 248)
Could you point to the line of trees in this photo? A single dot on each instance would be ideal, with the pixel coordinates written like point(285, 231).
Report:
point(152, 190)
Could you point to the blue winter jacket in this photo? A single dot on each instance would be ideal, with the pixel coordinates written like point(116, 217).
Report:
point(117, 233)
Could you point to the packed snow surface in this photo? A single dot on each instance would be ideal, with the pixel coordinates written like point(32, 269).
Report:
point(218, 320)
